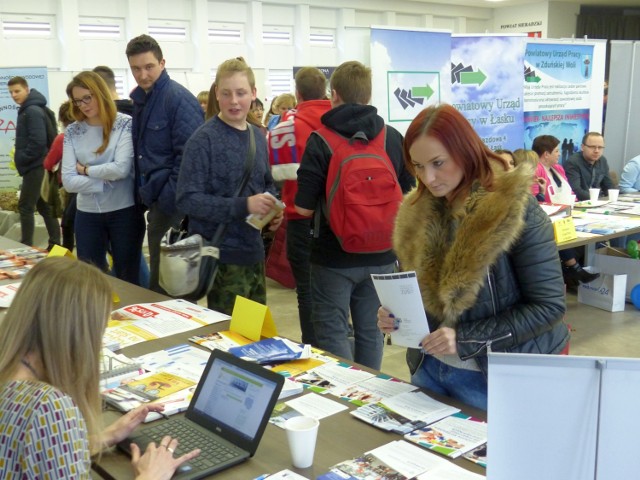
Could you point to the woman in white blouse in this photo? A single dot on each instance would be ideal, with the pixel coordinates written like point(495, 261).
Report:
point(97, 164)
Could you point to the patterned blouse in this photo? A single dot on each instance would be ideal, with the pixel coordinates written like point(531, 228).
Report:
point(42, 433)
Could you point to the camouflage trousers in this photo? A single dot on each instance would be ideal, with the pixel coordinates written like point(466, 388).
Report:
point(244, 280)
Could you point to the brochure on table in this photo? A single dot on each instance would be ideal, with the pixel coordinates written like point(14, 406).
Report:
point(332, 377)
point(8, 293)
point(398, 460)
point(271, 350)
point(404, 412)
point(374, 389)
point(223, 340)
point(148, 321)
point(183, 362)
point(310, 405)
point(452, 436)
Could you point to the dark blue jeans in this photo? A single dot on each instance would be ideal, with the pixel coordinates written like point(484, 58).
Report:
point(467, 386)
point(123, 230)
point(298, 253)
point(29, 201)
point(68, 220)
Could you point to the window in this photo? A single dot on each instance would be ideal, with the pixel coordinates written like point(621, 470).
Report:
point(40, 26)
point(322, 37)
point(280, 81)
point(277, 35)
point(168, 30)
point(110, 28)
point(120, 88)
point(226, 32)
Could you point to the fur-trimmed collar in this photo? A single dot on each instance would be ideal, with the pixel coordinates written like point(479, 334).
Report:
point(451, 271)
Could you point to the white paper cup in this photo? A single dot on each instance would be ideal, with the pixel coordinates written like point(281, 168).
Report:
point(594, 193)
point(302, 433)
point(613, 194)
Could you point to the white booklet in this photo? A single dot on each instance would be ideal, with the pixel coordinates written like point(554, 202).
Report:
point(400, 294)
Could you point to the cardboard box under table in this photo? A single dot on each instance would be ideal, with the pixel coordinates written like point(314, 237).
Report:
point(616, 261)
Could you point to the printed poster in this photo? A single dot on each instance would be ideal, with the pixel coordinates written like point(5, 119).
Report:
point(557, 93)
point(410, 72)
point(487, 88)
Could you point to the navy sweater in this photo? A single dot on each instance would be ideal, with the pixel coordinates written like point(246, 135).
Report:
point(212, 168)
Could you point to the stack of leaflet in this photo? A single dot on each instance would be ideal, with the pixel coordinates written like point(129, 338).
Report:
point(115, 368)
point(556, 211)
point(271, 350)
point(398, 460)
point(452, 436)
point(404, 413)
point(174, 373)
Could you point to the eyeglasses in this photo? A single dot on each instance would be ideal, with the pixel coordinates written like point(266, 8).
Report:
point(86, 100)
point(594, 147)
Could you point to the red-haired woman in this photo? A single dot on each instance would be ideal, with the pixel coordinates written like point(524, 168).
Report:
point(484, 254)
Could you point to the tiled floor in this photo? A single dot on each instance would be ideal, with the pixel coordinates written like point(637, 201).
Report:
point(594, 332)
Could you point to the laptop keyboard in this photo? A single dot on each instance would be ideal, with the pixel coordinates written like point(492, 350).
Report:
point(212, 452)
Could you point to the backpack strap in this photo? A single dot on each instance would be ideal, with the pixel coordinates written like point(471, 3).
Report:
point(334, 140)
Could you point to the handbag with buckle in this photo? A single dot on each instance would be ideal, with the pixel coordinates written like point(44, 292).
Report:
point(189, 263)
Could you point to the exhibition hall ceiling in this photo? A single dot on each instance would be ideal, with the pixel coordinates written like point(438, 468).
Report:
point(511, 3)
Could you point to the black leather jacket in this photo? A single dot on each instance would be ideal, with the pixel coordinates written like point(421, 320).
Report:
point(499, 282)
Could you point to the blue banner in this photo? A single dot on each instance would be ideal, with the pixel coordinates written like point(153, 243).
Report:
point(486, 86)
point(557, 93)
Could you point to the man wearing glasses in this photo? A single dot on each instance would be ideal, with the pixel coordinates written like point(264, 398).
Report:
point(589, 168)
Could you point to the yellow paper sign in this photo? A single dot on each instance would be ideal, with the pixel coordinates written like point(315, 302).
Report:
point(252, 319)
point(564, 230)
point(58, 251)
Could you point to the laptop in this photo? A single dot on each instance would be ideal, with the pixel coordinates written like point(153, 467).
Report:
point(226, 418)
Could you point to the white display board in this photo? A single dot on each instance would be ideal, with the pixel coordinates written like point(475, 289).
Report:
point(621, 123)
point(562, 417)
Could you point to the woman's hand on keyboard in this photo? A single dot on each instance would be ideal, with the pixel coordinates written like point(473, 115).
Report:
point(158, 462)
point(121, 428)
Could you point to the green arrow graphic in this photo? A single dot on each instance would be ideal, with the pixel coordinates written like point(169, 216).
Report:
point(426, 92)
point(468, 78)
point(532, 79)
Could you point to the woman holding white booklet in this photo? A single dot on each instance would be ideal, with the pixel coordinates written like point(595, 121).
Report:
point(484, 254)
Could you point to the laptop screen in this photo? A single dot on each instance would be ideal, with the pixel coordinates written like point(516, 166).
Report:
point(235, 397)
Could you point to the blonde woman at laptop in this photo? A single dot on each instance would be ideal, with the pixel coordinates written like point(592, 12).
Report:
point(50, 406)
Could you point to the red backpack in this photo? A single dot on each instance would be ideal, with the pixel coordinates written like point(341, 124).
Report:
point(362, 192)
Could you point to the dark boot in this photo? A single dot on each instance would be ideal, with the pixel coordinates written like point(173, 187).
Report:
point(575, 273)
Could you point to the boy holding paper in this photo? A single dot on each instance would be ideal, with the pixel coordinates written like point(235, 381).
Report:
point(212, 169)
